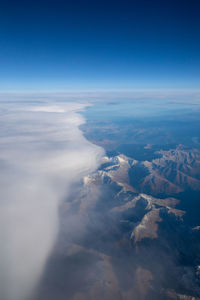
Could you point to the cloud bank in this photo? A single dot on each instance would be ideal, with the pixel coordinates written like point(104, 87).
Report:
point(42, 153)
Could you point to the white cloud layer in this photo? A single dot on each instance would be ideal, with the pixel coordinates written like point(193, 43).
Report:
point(42, 152)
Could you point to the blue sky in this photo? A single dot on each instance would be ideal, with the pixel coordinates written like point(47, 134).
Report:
point(61, 45)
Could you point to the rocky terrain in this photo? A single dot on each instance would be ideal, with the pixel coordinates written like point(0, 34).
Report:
point(128, 239)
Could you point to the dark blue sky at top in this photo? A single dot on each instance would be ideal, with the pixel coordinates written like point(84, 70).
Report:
point(58, 45)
